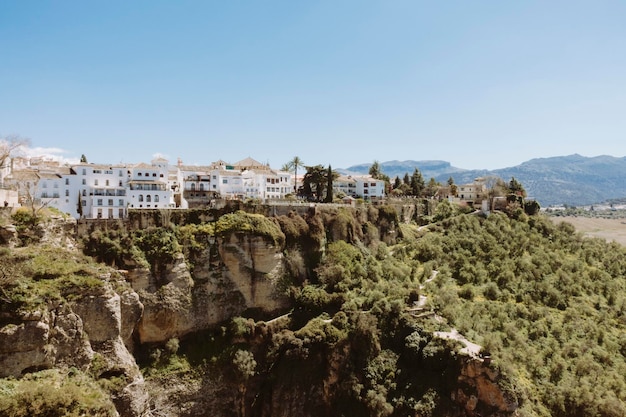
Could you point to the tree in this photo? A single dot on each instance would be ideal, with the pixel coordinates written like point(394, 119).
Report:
point(453, 188)
point(515, 187)
point(293, 165)
point(417, 183)
point(431, 188)
point(375, 171)
point(8, 146)
point(83, 159)
point(406, 179)
point(494, 187)
point(397, 183)
point(314, 182)
point(79, 207)
point(329, 185)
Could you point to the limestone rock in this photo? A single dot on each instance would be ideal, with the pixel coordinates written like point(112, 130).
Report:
point(101, 315)
point(131, 312)
point(245, 278)
point(479, 393)
point(254, 266)
point(24, 347)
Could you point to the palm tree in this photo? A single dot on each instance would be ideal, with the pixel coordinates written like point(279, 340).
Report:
point(294, 164)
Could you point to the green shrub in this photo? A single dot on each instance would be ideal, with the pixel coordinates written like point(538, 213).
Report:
point(51, 394)
point(255, 224)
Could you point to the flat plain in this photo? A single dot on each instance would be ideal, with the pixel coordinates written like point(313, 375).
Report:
point(608, 229)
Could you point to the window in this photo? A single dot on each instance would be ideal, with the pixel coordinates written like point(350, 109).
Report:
point(193, 186)
point(140, 198)
point(120, 202)
point(120, 184)
point(67, 193)
point(139, 174)
point(84, 193)
point(109, 172)
point(373, 184)
point(156, 198)
point(224, 181)
point(107, 183)
point(97, 171)
point(366, 185)
point(201, 187)
point(95, 182)
point(83, 203)
point(154, 174)
point(67, 181)
point(84, 181)
point(84, 171)
point(148, 198)
point(110, 201)
point(120, 172)
point(99, 201)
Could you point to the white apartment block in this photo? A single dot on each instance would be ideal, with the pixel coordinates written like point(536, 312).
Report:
point(363, 186)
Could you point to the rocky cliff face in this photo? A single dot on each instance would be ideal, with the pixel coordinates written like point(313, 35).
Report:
point(244, 277)
point(478, 392)
point(86, 334)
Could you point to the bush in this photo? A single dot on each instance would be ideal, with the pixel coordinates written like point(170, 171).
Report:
point(255, 224)
point(51, 394)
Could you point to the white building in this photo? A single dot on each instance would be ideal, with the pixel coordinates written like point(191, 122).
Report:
point(363, 186)
point(102, 190)
point(149, 186)
point(97, 191)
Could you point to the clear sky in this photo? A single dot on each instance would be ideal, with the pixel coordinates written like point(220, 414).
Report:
point(482, 84)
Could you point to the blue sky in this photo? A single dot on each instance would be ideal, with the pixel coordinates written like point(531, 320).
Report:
point(480, 84)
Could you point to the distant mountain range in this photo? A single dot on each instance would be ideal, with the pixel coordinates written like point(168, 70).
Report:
point(573, 179)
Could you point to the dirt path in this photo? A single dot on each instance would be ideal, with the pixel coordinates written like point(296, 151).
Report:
point(471, 349)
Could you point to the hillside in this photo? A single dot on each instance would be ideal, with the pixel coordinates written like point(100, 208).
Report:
point(314, 311)
point(572, 180)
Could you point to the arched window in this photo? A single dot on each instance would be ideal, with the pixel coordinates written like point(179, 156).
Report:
point(201, 187)
point(140, 198)
point(156, 198)
point(148, 198)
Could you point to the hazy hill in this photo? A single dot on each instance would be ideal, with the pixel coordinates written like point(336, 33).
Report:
point(572, 179)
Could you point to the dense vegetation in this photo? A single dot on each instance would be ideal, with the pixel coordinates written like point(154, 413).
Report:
point(54, 393)
point(546, 303)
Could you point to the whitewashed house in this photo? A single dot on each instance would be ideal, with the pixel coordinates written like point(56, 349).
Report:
point(148, 186)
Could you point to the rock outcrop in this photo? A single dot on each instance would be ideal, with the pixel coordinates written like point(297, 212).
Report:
point(245, 276)
point(479, 393)
point(86, 334)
